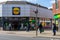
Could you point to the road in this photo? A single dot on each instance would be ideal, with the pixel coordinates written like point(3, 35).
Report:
point(11, 37)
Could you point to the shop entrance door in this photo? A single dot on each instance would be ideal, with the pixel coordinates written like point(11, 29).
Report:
point(15, 25)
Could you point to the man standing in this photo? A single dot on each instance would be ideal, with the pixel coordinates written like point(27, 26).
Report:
point(54, 29)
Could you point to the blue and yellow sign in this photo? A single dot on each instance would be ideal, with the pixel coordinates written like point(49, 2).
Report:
point(16, 10)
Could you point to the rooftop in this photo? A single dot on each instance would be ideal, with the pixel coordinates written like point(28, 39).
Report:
point(22, 2)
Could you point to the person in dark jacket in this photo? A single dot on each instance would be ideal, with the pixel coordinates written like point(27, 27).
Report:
point(19, 26)
point(40, 27)
point(54, 29)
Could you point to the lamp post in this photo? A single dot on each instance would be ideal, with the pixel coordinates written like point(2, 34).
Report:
point(36, 12)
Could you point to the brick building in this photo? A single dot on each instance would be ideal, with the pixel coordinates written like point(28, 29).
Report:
point(56, 7)
point(56, 11)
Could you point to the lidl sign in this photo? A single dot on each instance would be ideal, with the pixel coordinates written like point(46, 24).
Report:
point(16, 10)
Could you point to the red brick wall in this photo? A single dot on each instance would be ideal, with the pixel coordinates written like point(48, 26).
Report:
point(54, 8)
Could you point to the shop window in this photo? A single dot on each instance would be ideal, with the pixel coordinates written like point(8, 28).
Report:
point(56, 3)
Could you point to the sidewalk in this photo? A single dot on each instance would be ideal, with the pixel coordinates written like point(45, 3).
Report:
point(31, 34)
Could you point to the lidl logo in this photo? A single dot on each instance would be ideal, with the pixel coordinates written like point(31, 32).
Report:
point(16, 10)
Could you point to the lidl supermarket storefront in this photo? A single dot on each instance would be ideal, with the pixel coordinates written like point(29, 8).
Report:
point(18, 15)
point(17, 23)
point(22, 23)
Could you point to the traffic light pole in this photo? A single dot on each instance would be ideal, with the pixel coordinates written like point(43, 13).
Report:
point(36, 26)
point(36, 12)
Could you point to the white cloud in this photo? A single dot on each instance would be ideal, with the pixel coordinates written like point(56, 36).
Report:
point(34, 1)
point(53, 1)
point(18, 0)
point(49, 7)
point(2, 0)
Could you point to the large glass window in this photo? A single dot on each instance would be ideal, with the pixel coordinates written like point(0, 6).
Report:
point(56, 2)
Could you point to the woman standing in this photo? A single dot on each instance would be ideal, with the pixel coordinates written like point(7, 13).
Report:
point(40, 28)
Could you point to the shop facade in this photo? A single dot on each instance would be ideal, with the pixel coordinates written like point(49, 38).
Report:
point(23, 13)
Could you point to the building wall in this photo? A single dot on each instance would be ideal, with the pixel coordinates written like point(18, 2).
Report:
point(0, 10)
point(55, 11)
point(26, 11)
point(7, 10)
point(42, 12)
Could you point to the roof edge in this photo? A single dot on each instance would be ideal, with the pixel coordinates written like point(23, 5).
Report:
point(24, 2)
